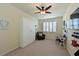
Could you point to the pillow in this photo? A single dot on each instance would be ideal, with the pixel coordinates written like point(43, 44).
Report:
point(40, 34)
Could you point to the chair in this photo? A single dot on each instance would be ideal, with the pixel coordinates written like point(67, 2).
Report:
point(61, 40)
point(40, 36)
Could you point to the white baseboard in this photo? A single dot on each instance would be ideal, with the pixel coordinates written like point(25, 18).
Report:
point(8, 51)
point(23, 46)
point(15, 48)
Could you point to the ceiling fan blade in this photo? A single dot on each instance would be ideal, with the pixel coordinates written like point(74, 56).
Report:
point(48, 12)
point(38, 8)
point(37, 12)
point(48, 7)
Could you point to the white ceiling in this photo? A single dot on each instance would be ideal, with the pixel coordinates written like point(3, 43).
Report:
point(57, 9)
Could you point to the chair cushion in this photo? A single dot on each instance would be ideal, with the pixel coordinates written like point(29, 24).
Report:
point(40, 34)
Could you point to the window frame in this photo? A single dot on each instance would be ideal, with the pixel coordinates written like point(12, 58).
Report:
point(49, 22)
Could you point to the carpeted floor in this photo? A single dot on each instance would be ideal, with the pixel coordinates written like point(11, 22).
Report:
point(40, 48)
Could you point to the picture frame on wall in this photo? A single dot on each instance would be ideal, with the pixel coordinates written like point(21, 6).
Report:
point(3, 23)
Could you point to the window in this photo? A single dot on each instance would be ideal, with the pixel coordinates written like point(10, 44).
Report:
point(76, 23)
point(49, 26)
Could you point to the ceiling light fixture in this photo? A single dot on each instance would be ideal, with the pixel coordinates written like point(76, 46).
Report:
point(42, 12)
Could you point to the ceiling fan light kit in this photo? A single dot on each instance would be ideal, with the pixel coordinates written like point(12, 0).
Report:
point(42, 12)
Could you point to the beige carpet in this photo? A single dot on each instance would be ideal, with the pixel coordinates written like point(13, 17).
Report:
point(40, 48)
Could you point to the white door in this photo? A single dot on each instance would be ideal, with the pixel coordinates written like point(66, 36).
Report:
point(27, 31)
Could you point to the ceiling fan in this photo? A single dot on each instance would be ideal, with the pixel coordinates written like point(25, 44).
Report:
point(43, 10)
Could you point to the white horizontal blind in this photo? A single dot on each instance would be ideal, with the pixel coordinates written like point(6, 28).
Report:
point(54, 26)
point(49, 26)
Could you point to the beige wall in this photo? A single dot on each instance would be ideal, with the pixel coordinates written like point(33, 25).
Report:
point(70, 10)
point(9, 39)
point(58, 28)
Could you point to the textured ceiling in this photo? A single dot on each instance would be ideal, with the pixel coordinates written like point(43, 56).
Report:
point(57, 9)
